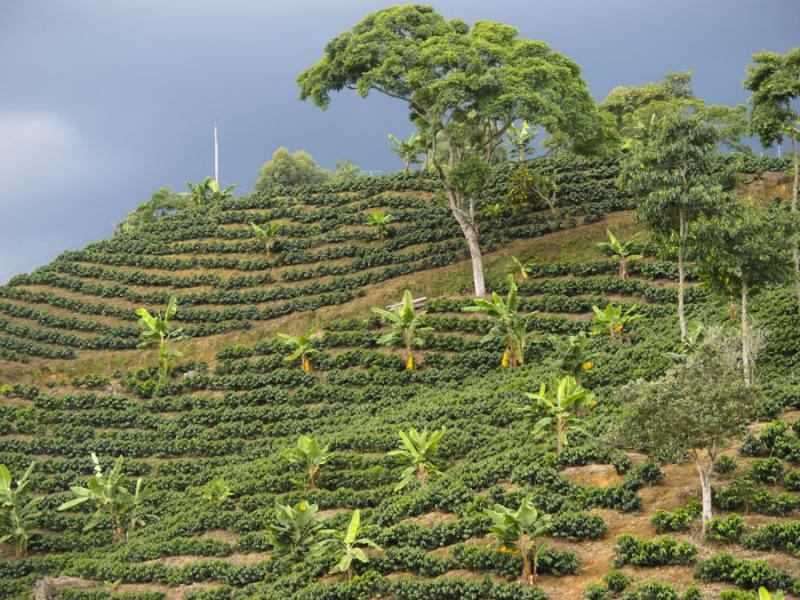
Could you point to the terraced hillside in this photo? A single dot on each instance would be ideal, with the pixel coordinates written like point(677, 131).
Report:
point(231, 413)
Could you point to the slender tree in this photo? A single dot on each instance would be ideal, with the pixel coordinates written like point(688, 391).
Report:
point(692, 411)
point(773, 81)
point(465, 84)
point(409, 325)
point(673, 170)
point(745, 249)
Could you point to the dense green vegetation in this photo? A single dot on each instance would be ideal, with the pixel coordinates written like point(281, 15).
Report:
point(592, 426)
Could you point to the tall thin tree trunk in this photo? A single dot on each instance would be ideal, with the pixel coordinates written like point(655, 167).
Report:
point(748, 375)
point(705, 486)
point(681, 257)
point(470, 230)
point(795, 183)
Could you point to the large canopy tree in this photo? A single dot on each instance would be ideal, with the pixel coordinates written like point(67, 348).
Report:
point(774, 82)
point(674, 171)
point(465, 85)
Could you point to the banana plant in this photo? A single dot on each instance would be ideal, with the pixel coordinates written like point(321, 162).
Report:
point(573, 353)
point(408, 325)
point(520, 530)
point(696, 332)
point(310, 455)
point(418, 450)
point(159, 331)
point(112, 499)
point(295, 530)
point(379, 221)
point(520, 139)
point(763, 594)
point(557, 408)
point(613, 321)
point(622, 250)
point(208, 191)
point(19, 513)
point(216, 491)
point(408, 150)
point(522, 269)
point(348, 544)
point(267, 233)
point(301, 347)
point(508, 324)
point(493, 211)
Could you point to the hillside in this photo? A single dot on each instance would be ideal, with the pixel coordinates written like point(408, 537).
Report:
point(76, 384)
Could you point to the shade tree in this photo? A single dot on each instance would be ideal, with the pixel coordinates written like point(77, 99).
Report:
point(465, 84)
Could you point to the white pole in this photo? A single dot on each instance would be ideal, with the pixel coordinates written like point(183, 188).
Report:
point(216, 154)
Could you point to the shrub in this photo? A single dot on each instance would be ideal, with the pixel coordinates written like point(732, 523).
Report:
point(647, 553)
point(726, 530)
point(596, 591)
point(748, 574)
point(616, 581)
point(766, 470)
point(791, 480)
point(653, 590)
point(679, 520)
point(725, 465)
point(649, 472)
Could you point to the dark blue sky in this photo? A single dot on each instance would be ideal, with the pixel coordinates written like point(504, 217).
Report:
point(102, 102)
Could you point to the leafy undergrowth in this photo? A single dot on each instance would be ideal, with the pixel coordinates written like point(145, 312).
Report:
point(231, 415)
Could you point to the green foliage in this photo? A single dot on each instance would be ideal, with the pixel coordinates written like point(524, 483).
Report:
point(408, 150)
point(653, 553)
point(216, 491)
point(289, 169)
point(613, 320)
point(301, 347)
point(159, 331)
point(418, 451)
point(745, 573)
point(295, 530)
point(109, 494)
point(774, 83)
point(622, 250)
point(557, 409)
point(19, 512)
point(347, 544)
point(164, 201)
point(268, 233)
point(678, 520)
point(379, 221)
point(726, 530)
point(208, 191)
point(310, 455)
point(409, 326)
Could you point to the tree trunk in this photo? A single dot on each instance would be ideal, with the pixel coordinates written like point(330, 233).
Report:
point(623, 268)
point(469, 228)
point(795, 184)
point(559, 435)
point(527, 571)
point(681, 252)
point(705, 487)
point(748, 374)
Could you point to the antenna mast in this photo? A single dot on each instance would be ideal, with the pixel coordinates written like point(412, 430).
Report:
point(216, 153)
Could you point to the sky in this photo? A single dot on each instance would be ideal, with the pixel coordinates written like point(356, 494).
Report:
point(102, 102)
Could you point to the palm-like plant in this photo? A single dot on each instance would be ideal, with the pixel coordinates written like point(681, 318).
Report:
point(310, 455)
point(408, 325)
point(508, 324)
point(763, 594)
point(112, 498)
point(208, 191)
point(613, 320)
point(695, 333)
point(521, 529)
point(556, 409)
point(379, 221)
point(159, 331)
point(19, 513)
point(493, 211)
point(301, 347)
point(418, 450)
point(520, 139)
point(573, 353)
point(267, 233)
point(622, 250)
point(216, 491)
point(522, 269)
point(408, 150)
point(295, 529)
point(348, 544)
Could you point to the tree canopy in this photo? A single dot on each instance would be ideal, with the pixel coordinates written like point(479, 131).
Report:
point(290, 168)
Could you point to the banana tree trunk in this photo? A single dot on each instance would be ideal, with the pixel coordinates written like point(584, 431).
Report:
point(527, 570)
point(623, 268)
